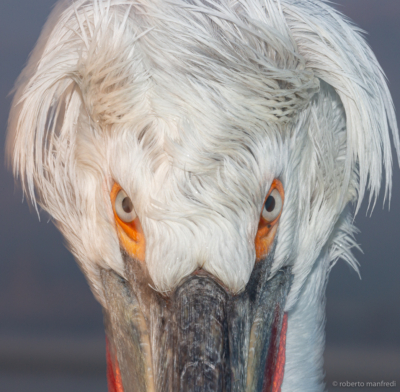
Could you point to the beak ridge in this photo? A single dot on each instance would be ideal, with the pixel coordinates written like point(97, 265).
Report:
point(201, 338)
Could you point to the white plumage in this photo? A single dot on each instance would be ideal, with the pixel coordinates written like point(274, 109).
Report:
point(194, 107)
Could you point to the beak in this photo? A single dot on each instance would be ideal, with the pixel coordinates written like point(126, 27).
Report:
point(199, 338)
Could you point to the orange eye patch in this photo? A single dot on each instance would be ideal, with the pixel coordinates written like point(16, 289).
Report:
point(269, 218)
point(129, 228)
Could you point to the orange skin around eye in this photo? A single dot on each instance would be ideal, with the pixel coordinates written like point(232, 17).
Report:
point(130, 234)
point(267, 230)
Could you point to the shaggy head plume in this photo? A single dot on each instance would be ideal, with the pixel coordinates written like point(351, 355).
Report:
point(194, 107)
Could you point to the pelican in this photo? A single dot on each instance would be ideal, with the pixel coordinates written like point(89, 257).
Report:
point(204, 160)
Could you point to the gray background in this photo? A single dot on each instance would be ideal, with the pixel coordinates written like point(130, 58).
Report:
point(51, 332)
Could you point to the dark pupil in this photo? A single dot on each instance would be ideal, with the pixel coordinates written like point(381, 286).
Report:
point(127, 205)
point(270, 204)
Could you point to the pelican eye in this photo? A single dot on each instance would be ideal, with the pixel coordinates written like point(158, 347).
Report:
point(269, 219)
point(124, 207)
point(272, 206)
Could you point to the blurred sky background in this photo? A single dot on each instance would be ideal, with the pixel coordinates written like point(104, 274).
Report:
point(51, 331)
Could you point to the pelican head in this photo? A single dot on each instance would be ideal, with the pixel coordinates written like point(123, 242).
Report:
point(201, 159)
